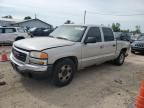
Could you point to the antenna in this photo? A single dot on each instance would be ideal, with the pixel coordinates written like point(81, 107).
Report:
point(35, 16)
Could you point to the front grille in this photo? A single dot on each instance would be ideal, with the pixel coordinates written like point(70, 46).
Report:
point(19, 55)
point(140, 45)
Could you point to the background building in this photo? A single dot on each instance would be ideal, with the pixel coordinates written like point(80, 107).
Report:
point(32, 23)
point(25, 23)
point(7, 21)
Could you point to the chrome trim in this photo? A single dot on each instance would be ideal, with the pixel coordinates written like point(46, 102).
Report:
point(25, 52)
point(24, 66)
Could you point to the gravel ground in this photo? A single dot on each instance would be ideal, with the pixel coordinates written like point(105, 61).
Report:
point(103, 86)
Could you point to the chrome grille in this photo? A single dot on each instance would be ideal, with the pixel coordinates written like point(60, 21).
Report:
point(19, 55)
point(140, 45)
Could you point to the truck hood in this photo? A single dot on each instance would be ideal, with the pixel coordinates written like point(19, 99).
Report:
point(41, 43)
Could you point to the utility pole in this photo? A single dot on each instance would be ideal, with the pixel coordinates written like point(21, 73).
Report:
point(35, 16)
point(84, 16)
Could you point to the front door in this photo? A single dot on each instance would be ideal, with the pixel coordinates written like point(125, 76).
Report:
point(92, 49)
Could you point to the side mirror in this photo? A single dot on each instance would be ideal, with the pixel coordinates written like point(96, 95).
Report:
point(90, 40)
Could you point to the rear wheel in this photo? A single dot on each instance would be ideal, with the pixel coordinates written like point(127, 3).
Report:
point(19, 38)
point(121, 58)
point(63, 72)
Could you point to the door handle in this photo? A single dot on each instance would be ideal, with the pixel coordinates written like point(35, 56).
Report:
point(101, 46)
point(114, 45)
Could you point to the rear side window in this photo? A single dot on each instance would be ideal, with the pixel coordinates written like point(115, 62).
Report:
point(95, 32)
point(10, 30)
point(21, 30)
point(108, 34)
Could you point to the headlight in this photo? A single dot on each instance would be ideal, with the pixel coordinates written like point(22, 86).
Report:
point(38, 58)
point(40, 55)
point(38, 61)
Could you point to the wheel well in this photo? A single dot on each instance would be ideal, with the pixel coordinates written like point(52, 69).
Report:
point(124, 50)
point(20, 37)
point(73, 58)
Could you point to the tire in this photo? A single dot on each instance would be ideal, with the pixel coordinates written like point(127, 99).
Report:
point(19, 38)
point(120, 60)
point(63, 72)
point(133, 52)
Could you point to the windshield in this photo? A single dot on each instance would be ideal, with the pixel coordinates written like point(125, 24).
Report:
point(21, 30)
point(141, 38)
point(33, 29)
point(71, 33)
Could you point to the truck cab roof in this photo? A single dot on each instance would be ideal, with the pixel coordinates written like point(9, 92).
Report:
point(87, 25)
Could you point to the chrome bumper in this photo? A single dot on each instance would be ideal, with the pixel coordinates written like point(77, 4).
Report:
point(23, 66)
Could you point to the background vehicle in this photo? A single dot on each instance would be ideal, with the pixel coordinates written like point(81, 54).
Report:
point(40, 32)
point(10, 34)
point(124, 36)
point(69, 47)
point(138, 45)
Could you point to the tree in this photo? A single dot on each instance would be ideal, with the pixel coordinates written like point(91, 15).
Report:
point(27, 18)
point(69, 22)
point(137, 29)
point(8, 16)
point(125, 30)
point(116, 27)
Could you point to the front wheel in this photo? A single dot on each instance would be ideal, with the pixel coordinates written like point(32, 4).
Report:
point(63, 72)
point(121, 58)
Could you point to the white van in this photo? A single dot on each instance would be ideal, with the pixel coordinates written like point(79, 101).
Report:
point(11, 34)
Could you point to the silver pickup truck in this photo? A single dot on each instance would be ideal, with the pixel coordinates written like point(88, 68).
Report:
point(67, 49)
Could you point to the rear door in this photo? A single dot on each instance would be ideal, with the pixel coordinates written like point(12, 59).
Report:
point(92, 52)
point(109, 49)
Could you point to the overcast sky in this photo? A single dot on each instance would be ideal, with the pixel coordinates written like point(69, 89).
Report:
point(56, 12)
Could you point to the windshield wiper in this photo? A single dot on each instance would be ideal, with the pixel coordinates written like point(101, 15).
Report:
point(62, 38)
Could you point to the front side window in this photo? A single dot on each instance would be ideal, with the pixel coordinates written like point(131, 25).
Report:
point(10, 30)
point(94, 32)
point(71, 33)
point(108, 34)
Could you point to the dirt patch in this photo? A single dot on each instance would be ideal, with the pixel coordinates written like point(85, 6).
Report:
point(103, 86)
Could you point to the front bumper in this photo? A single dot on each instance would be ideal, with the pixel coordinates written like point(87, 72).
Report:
point(29, 69)
point(137, 49)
